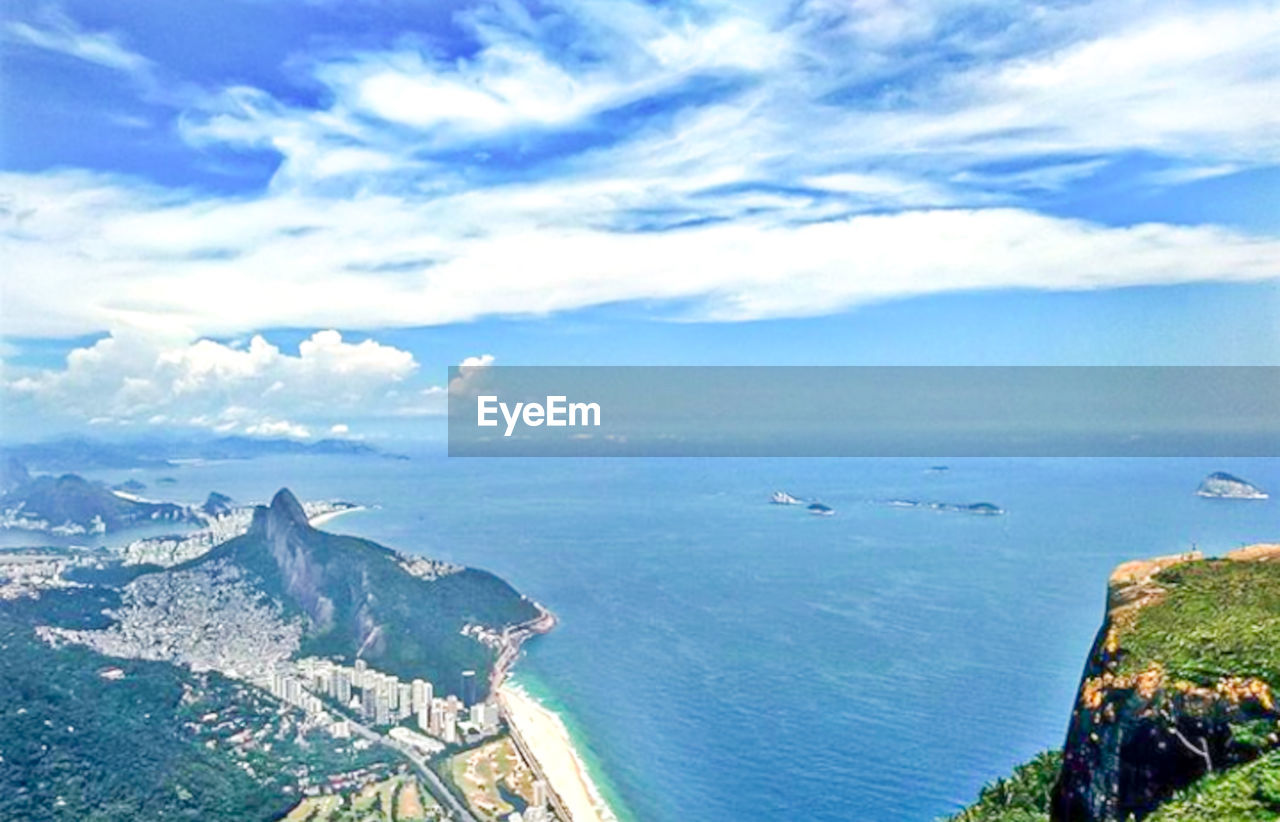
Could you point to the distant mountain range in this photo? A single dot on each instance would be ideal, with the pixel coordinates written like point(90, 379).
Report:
point(70, 504)
point(79, 454)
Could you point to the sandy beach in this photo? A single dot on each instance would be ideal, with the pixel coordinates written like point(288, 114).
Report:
point(321, 519)
point(548, 740)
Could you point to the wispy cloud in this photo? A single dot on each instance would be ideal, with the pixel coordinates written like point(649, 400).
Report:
point(109, 257)
point(59, 33)
point(753, 160)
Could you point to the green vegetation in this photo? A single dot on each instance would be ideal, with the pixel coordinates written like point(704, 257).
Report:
point(1249, 793)
point(357, 598)
point(1023, 797)
point(1195, 638)
point(492, 778)
point(398, 799)
point(91, 738)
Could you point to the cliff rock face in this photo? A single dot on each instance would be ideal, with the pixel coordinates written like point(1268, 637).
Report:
point(1179, 683)
point(283, 526)
point(405, 615)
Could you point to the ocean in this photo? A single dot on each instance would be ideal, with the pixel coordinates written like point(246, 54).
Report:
point(721, 658)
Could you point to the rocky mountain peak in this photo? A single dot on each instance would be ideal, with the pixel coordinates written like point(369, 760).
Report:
point(285, 507)
point(283, 515)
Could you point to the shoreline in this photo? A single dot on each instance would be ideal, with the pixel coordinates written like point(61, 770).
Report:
point(541, 735)
point(321, 519)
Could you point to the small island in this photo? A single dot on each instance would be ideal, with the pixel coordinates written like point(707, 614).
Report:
point(1221, 485)
point(986, 509)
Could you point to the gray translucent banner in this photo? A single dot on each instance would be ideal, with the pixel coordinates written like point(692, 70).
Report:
point(695, 411)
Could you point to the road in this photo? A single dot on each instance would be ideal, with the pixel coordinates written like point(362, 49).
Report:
point(514, 637)
point(434, 783)
point(553, 799)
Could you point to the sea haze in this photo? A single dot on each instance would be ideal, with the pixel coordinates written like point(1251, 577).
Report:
point(722, 658)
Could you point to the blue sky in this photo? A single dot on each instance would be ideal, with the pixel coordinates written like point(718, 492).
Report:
point(399, 186)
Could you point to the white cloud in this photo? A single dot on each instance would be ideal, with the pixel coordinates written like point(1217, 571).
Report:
point(781, 190)
point(255, 389)
point(1181, 175)
point(268, 427)
point(1049, 177)
point(1190, 83)
point(60, 33)
point(467, 380)
point(111, 259)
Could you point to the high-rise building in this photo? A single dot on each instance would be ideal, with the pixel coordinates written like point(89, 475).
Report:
point(358, 680)
point(382, 711)
point(331, 681)
point(489, 717)
point(404, 700)
point(439, 708)
point(422, 693)
point(389, 686)
point(468, 688)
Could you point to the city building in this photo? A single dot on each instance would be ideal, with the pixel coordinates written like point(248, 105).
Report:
point(468, 688)
point(404, 700)
point(424, 745)
point(421, 695)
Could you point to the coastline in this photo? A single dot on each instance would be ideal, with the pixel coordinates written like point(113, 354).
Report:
point(321, 519)
point(541, 735)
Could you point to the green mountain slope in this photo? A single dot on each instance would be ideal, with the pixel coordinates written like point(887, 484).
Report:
point(1176, 717)
point(90, 738)
point(1249, 793)
point(360, 599)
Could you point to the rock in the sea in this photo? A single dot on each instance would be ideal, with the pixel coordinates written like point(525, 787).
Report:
point(1221, 485)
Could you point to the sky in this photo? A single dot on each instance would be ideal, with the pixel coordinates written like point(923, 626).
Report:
point(287, 218)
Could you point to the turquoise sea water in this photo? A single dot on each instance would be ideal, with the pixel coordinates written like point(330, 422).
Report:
point(721, 658)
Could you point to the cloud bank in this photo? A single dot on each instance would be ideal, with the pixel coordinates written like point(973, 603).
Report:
point(742, 161)
point(255, 388)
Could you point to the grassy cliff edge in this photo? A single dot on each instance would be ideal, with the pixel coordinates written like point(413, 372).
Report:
point(1176, 715)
